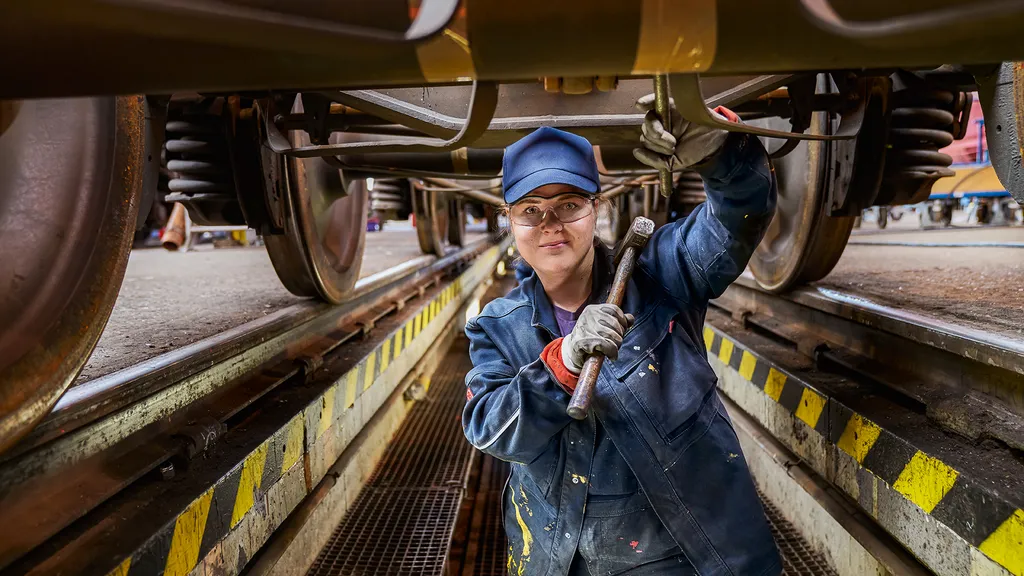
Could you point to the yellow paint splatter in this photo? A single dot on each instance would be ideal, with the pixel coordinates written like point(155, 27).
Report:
point(524, 557)
point(652, 368)
point(578, 479)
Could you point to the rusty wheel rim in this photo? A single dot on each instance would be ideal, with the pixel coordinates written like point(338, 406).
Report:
point(70, 180)
point(431, 209)
point(456, 222)
point(803, 243)
point(320, 255)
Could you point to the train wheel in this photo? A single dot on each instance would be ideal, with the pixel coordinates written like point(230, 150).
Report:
point(69, 189)
point(431, 209)
point(612, 219)
point(491, 214)
point(456, 222)
point(803, 243)
point(648, 201)
point(321, 252)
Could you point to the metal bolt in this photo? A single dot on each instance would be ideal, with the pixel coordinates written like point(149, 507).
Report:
point(575, 480)
point(567, 535)
point(167, 470)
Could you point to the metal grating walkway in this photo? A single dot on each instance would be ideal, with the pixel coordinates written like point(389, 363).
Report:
point(491, 558)
point(798, 558)
point(404, 520)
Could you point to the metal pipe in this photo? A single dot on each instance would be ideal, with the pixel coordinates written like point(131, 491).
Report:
point(663, 107)
point(479, 196)
point(613, 192)
point(174, 231)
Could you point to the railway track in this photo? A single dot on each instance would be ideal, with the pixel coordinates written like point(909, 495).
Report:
point(909, 420)
point(881, 439)
point(151, 467)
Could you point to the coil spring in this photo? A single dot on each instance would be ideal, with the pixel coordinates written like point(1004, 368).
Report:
point(689, 192)
point(387, 195)
point(923, 122)
point(196, 155)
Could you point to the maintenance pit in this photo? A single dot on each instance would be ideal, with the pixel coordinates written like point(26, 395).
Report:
point(375, 477)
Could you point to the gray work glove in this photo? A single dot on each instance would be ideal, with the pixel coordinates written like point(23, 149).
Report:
point(689, 143)
point(599, 329)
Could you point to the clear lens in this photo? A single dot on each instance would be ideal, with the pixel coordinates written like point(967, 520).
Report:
point(565, 210)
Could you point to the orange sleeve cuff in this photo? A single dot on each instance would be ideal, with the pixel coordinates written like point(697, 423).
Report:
point(552, 356)
point(727, 114)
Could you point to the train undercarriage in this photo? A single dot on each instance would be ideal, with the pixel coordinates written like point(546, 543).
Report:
point(278, 116)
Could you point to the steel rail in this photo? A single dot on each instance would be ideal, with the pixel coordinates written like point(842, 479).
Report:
point(89, 401)
point(964, 379)
point(119, 428)
point(970, 343)
point(937, 244)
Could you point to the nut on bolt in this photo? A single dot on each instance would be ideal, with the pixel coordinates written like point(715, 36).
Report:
point(167, 470)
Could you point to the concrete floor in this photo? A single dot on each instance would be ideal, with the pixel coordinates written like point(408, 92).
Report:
point(981, 287)
point(169, 299)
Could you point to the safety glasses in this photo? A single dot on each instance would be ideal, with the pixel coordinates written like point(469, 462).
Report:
point(565, 209)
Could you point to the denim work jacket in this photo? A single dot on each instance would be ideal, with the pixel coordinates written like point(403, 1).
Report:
point(657, 403)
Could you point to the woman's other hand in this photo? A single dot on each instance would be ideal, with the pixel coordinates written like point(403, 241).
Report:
point(599, 329)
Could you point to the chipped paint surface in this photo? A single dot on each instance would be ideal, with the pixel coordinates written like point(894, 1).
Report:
point(928, 505)
point(1006, 544)
point(925, 480)
point(579, 479)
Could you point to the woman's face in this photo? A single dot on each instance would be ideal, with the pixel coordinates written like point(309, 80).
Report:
point(553, 247)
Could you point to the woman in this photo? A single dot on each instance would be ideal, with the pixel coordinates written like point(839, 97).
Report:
point(653, 481)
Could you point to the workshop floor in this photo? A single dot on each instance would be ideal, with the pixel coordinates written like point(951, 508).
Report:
point(170, 299)
point(982, 287)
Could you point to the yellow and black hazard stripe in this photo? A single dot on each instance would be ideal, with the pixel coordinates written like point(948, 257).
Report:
point(177, 547)
point(983, 518)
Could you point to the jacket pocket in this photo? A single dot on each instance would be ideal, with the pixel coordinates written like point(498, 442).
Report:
point(620, 534)
point(666, 376)
point(541, 471)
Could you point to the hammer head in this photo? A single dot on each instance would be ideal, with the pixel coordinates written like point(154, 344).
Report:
point(639, 233)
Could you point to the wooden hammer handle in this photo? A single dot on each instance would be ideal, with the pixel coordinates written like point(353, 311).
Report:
point(579, 404)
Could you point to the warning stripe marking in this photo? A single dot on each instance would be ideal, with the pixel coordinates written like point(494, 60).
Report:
point(178, 546)
point(1006, 544)
point(249, 484)
point(982, 518)
point(858, 437)
point(188, 534)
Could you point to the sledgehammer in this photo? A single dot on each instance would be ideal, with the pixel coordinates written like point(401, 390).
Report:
point(639, 233)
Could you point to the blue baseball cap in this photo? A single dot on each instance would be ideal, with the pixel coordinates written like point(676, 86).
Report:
point(548, 156)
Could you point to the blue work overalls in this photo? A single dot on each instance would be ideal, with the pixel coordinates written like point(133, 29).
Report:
point(658, 433)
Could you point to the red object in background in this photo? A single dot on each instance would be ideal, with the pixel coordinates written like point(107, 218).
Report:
point(966, 151)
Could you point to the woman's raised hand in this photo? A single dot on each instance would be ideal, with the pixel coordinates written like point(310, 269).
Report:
point(689, 143)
